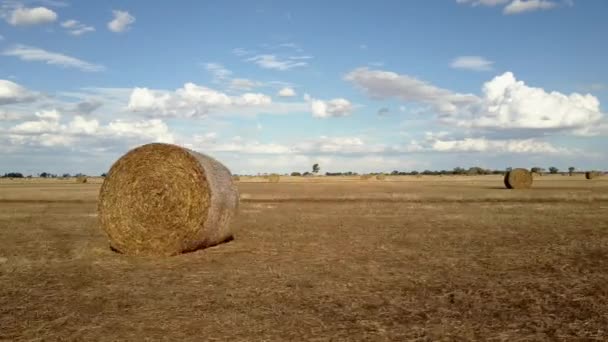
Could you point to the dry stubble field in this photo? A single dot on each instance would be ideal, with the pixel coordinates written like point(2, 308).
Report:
point(453, 258)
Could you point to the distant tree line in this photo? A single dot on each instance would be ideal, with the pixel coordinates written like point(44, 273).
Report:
point(44, 175)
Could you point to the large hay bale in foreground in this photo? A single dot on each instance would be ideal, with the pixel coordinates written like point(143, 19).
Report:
point(592, 174)
point(518, 179)
point(161, 199)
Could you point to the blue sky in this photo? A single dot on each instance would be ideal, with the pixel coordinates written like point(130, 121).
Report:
point(275, 86)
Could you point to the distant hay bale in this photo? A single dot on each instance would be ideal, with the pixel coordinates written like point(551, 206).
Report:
point(381, 177)
point(273, 178)
point(161, 199)
point(236, 178)
point(81, 180)
point(365, 177)
point(592, 174)
point(518, 179)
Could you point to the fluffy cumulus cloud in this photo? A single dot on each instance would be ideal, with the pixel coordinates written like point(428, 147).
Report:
point(330, 108)
point(48, 129)
point(11, 92)
point(76, 28)
point(505, 104)
point(23, 16)
point(33, 54)
point(475, 63)
point(191, 100)
point(121, 22)
point(287, 92)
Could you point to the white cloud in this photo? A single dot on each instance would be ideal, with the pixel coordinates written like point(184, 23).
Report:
point(527, 146)
point(49, 131)
point(76, 28)
point(521, 6)
point(331, 108)
point(11, 92)
point(218, 71)
point(476, 63)
point(121, 22)
point(23, 16)
point(337, 145)
point(483, 2)
point(209, 142)
point(273, 62)
point(243, 84)
point(286, 92)
point(51, 115)
point(515, 6)
point(33, 54)
point(506, 103)
point(380, 84)
point(151, 130)
point(190, 101)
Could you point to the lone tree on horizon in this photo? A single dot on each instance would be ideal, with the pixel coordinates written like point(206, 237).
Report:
point(316, 168)
point(553, 169)
point(571, 170)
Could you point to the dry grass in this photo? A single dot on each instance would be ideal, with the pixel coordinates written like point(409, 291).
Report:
point(320, 260)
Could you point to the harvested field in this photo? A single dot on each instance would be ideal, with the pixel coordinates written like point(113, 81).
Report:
point(320, 258)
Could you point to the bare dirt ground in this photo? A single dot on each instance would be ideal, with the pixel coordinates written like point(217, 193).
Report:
point(431, 258)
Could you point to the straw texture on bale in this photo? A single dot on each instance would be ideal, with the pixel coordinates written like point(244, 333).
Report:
point(161, 199)
point(518, 179)
point(592, 174)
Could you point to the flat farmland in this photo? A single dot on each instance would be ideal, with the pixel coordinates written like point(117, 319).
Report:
point(325, 258)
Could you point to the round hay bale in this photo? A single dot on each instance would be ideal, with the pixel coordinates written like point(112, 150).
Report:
point(518, 179)
point(81, 180)
point(161, 199)
point(381, 177)
point(365, 177)
point(274, 178)
point(592, 174)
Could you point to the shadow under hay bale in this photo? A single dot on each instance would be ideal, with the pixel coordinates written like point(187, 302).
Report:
point(518, 179)
point(161, 199)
